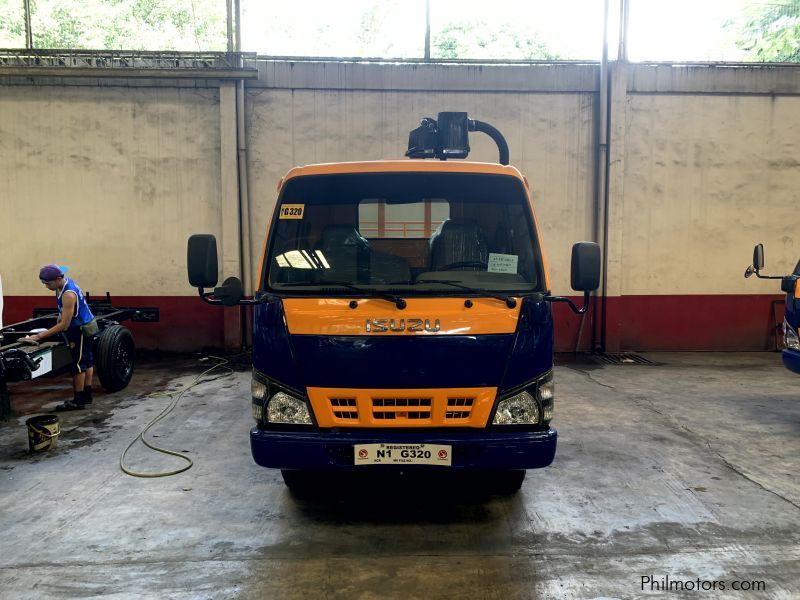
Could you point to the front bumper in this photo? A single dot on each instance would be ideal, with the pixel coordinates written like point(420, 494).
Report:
point(482, 450)
point(791, 359)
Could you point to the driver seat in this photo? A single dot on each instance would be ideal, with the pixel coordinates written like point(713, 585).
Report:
point(346, 251)
point(457, 241)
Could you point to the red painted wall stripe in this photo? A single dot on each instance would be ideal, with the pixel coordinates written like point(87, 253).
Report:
point(186, 323)
point(697, 322)
point(635, 323)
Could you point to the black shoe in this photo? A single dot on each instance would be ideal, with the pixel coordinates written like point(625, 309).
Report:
point(70, 405)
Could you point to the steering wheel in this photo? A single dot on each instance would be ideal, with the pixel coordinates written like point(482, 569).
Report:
point(464, 263)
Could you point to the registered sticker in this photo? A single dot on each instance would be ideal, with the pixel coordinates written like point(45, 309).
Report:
point(291, 211)
point(403, 454)
point(502, 263)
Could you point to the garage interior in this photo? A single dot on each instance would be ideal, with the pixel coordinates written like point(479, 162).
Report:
point(678, 424)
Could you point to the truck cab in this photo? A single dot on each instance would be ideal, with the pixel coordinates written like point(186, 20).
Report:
point(403, 316)
point(790, 285)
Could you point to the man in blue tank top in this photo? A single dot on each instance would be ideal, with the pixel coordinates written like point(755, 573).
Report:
point(77, 322)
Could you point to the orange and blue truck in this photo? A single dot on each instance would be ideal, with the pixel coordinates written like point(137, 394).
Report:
point(790, 285)
point(403, 315)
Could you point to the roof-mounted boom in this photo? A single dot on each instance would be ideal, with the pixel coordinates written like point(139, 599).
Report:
point(447, 137)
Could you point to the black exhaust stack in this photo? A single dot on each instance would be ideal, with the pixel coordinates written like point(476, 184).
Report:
point(447, 137)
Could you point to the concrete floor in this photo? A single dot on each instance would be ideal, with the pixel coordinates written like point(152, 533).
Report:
point(686, 469)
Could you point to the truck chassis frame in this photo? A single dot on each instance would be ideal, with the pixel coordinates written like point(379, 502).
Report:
point(113, 346)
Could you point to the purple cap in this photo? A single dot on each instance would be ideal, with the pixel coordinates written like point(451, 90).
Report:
point(52, 272)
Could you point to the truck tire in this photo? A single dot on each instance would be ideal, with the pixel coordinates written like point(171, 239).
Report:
point(115, 353)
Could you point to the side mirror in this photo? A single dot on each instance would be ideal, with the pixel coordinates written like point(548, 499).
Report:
point(585, 272)
point(201, 260)
point(231, 292)
point(758, 257)
point(758, 264)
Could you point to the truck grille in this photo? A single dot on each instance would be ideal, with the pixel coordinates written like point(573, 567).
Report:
point(394, 409)
point(344, 408)
point(439, 407)
point(458, 408)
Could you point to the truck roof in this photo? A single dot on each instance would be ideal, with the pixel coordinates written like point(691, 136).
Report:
point(405, 166)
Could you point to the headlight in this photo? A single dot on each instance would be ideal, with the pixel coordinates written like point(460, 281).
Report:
point(519, 409)
point(530, 406)
point(790, 339)
point(283, 408)
point(546, 390)
point(258, 390)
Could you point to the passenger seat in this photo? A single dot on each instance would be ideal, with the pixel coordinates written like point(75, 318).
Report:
point(459, 245)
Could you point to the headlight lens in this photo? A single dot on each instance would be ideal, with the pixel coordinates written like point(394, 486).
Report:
point(283, 408)
point(258, 390)
point(531, 406)
point(546, 391)
point(519, 409)
point(790, 338)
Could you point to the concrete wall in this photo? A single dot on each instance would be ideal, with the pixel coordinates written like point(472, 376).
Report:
point(302, 113)
point(550, 135)
point(109, 181)
point(704, 175)
point(707, 169)
point(110, 177)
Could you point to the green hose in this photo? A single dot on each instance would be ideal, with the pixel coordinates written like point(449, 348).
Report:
point(175, 396)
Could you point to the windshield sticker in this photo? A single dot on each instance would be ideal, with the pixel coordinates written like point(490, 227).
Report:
point(502, 263)
point(291, 211)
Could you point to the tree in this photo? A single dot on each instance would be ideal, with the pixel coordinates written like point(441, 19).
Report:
point(12, 24)
point(471, 39)
point(770, 32)
point(371, 28)
point(129, 24)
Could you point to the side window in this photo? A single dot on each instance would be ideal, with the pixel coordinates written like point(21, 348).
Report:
point(378, 219)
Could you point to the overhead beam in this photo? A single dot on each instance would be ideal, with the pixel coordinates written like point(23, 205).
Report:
point(128, 74)
point(128, 64)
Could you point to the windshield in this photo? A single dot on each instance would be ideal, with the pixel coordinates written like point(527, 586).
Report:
point(403, 232)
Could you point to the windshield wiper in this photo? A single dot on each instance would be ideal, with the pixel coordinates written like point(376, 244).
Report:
point(396, 300)
point(510, 302)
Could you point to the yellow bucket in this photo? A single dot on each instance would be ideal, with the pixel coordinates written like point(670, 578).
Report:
point(43, 432)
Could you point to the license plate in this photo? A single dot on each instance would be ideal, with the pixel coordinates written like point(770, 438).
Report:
point(403, 454)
